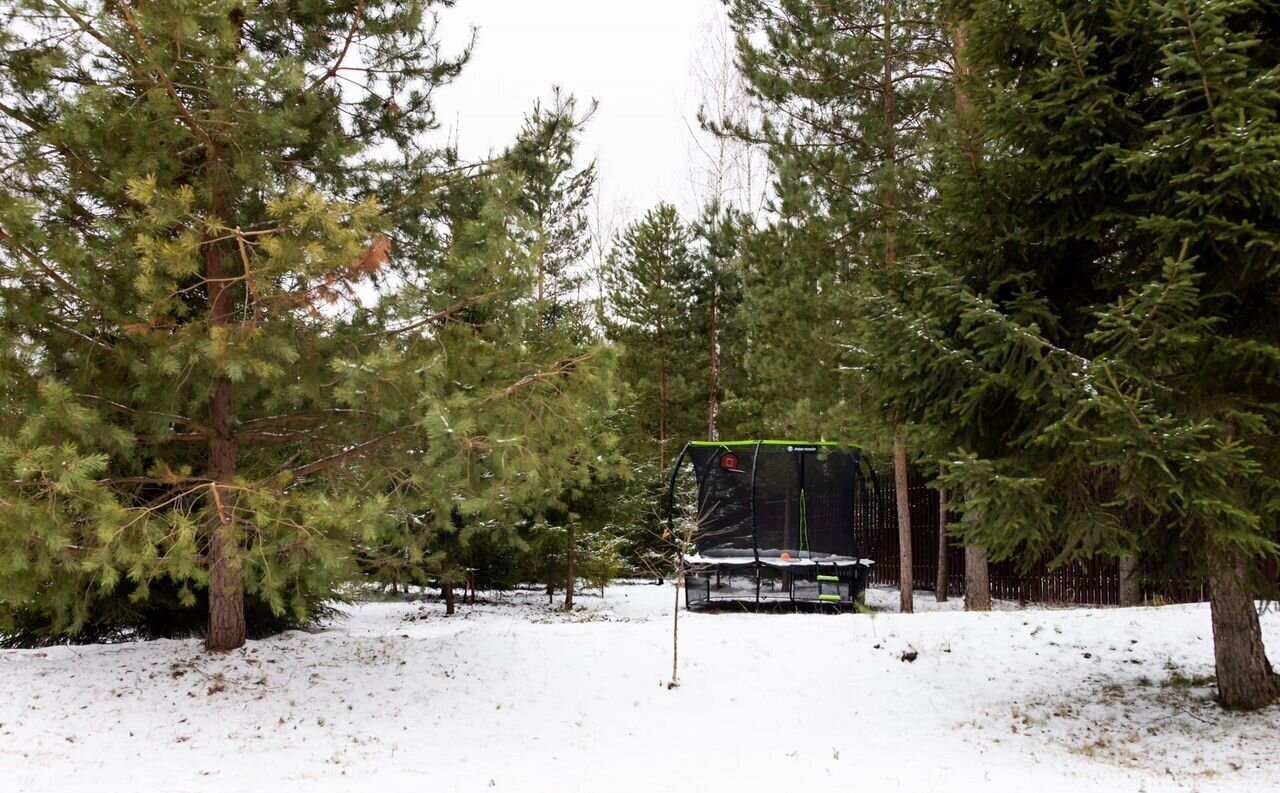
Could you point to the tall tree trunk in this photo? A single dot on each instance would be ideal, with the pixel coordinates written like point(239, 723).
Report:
point(713, 399)
point(226, 589)
point(446, 589)
point(890, 146)
point(664, 400)
point(542, 272)
point(977, 580)
point(964, 105)
point(1245, 678)
point(1130, 585)
point(906, 585)
point(683, 544)
point(942, 584)
point(570, 557)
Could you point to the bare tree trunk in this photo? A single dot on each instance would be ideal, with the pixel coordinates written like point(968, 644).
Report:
point(1130, 585)
point(713, 400)
point(675, 631)
point(570, 557)
point(727, 177)
point(1245, 678)
point(446, 589)
point(663, 400)
point(906, 585)
point(941, 585)
point(977, 580)
point(226, 589)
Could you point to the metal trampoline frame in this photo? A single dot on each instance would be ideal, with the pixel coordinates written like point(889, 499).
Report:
point(801, 578)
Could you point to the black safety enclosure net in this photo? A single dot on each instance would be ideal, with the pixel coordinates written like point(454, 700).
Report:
point(774, 521)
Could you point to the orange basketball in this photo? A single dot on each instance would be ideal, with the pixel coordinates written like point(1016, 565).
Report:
point(786, 556)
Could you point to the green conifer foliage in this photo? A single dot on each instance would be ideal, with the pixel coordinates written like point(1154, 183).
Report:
point(847, 91)
point(555, 197)
point(206, 400)
point(555, 194)
point(651, 282)
point(1097, 331)
point(718, 321)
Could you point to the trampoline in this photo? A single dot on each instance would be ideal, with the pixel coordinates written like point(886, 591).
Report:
point(777, 521)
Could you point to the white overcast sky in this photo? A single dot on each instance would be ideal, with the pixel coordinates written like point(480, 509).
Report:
point(634, 57)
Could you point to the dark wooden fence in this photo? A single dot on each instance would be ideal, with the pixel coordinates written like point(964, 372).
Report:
point(1096, 582)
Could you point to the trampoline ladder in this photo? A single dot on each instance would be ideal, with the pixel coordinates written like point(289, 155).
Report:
point(829, 579)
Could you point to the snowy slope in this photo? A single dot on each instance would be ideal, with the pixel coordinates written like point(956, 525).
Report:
point(511, 696)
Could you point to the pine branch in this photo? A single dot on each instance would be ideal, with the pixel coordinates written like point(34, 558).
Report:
point(564, 367)
point(187, 118)
point(441, 315)
point(52, 274)
point(270, 421)
point(95, 34)
point(128, 411)
point(352, 453)
point(337, 64)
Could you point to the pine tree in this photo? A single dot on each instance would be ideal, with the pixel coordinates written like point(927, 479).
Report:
point(849, 89)
point(555, 197)
point(197, 202)
point(651, 281)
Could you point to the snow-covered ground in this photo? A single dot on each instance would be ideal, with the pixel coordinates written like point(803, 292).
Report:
point(509, 695)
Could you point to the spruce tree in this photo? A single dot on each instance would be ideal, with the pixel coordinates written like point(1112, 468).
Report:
point(1096, 328)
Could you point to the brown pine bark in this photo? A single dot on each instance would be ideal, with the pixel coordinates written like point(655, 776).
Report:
point(941, 585)
point(1130, 585)
point(570, 557)
point(906, 585)
point(226, 590)
point(1245, 678)
point(450, 605)
point(226, 586)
